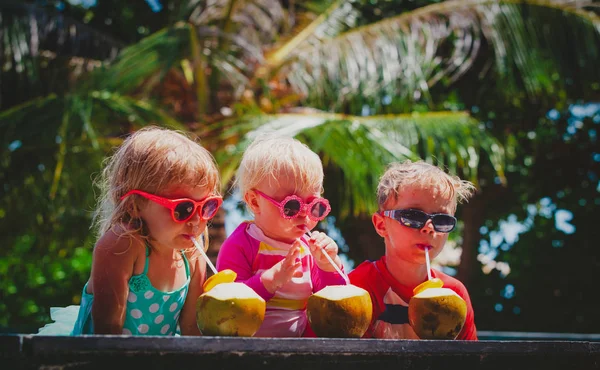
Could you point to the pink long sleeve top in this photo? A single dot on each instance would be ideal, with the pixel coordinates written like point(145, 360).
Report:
point(249, 252)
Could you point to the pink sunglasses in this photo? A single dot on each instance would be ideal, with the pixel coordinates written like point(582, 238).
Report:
point(292, 205)
point(184, 209)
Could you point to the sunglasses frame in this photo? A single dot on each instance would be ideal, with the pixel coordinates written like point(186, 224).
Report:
point(171, 204)
point(392, 214)
point(303, 205)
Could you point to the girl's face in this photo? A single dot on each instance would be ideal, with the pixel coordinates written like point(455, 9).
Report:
point(267, 216)
point(408, 244)
point(164, 232)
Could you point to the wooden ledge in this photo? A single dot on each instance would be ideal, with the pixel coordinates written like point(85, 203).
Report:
point(99, 351)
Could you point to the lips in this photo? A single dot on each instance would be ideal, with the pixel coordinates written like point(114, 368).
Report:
point(424, 246)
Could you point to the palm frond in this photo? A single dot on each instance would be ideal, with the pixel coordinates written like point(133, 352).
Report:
point(404, 56)
point(42, 49)
point(257, 21)
point(339, 17)
point(360, 147)
point(55, 123)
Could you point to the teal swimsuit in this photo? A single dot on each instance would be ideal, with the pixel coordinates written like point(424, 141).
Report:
point(149, 311)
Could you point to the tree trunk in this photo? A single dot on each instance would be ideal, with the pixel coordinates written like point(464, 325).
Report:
point(360, 236)
point(216, 235)
point(473, 216)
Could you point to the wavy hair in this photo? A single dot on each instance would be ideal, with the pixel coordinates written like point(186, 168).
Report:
point(152, 159)
point(400, 175)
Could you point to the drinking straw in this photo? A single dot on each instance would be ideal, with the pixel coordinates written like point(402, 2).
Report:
point(199, 247)
point(335, 266)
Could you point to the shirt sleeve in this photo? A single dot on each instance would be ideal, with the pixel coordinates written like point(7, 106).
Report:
point(321, 278)
point(238, 255)
point(469, 331)
point(362, 277)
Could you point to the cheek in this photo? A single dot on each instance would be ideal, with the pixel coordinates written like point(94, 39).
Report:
point(439, 243)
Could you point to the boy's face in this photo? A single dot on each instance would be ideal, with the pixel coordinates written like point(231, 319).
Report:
point(408, 244)
point(267, 216)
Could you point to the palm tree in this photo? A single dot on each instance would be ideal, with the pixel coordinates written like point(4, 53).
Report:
point(360, 96)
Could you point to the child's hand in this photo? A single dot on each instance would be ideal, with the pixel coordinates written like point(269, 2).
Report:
point(282, 272)
point(320, 243)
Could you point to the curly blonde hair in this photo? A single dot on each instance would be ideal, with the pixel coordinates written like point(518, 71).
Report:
point(400, 175)
point(271, 156)
point(152, 159)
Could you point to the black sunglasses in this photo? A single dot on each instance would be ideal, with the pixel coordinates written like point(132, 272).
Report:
point(413, 218)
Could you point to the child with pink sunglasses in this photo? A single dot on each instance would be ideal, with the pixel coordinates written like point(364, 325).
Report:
point(281, 180)
point(158, 191)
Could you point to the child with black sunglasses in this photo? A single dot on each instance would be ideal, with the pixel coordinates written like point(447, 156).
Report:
point(281, 180)
point(417, 202)
point(158, 191)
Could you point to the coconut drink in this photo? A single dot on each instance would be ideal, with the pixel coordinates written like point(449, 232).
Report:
point(227, 308)
point(340, 311)
point(435, 312)
point(230, 309)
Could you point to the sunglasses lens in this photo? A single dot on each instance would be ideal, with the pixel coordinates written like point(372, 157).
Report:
point(183, 211)
point(319, 210)
point(444, 223)
point(412, 218)
point(291, 208)
point(209, 209)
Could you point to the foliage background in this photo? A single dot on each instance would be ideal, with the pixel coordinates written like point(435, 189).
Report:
point(536, 235)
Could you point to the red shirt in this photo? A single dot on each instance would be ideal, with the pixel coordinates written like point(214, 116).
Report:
point(390, 301)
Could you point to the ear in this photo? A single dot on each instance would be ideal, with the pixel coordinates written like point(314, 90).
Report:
point(251, 199)
point(379, 223)
point(132, 209)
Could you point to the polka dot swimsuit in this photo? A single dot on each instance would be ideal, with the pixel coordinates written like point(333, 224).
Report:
point(149, 310)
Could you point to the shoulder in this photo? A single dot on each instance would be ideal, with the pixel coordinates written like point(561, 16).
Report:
point(114, 259)
point(364, 268)
point(451, 282)
point(195, 260)
point(117, 242)
point(364, 274)
point(239, 237)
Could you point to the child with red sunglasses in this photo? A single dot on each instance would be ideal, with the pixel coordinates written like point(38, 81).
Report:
point(281, 180)
point(157, 192)
point(417, 202)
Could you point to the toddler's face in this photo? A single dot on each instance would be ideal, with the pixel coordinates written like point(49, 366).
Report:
point(166, 233)
point(267, 216)
point(408, 244)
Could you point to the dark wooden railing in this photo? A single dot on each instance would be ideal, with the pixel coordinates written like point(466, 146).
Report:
point(174, 353)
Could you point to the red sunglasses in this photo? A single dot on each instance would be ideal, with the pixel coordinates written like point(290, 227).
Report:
point(291, 206)
point(183, 209)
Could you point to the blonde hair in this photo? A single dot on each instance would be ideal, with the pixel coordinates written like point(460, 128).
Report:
point(271, 156)
point(151, 159)
point(400, 175)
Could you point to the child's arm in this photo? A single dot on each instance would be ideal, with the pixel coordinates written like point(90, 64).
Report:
point(239, 258)
point(322, 272)
point(112, 267)
point(367, 277)
point(283, 271)
point(187, 320)
point(468, 332)
point(319, 244)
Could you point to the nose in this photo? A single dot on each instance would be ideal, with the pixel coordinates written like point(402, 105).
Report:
point(428, 227)
point(195, 219)
point(303, 212)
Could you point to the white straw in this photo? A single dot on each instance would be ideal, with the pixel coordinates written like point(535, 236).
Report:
point(199, 247)
point(335, 266)
point(427, 261)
